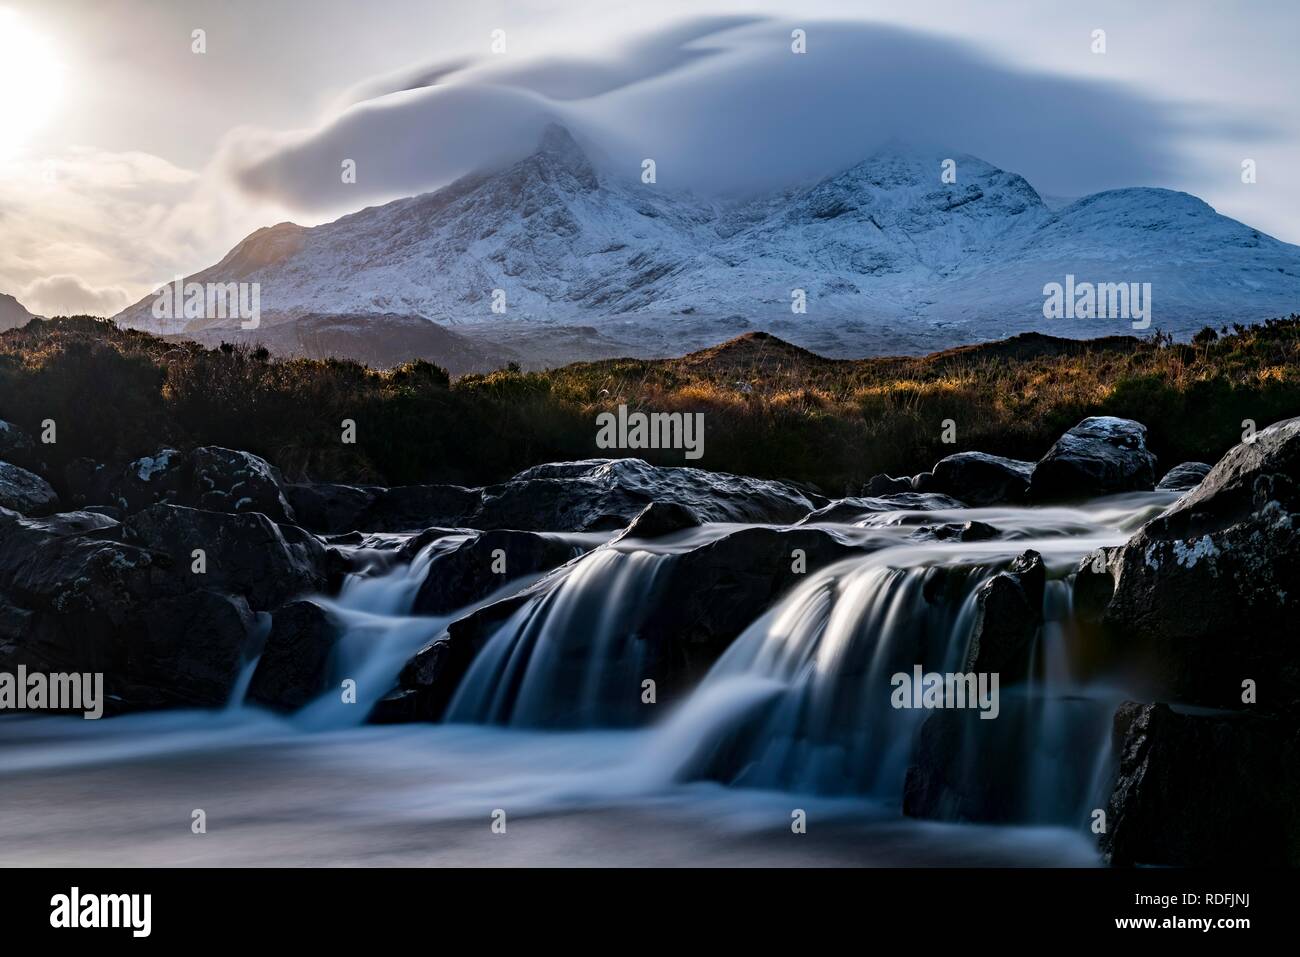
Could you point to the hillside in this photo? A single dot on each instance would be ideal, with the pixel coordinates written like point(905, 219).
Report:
point(771, 409)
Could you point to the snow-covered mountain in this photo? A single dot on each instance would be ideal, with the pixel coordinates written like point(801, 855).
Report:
point(889, 257)
point(12, 313)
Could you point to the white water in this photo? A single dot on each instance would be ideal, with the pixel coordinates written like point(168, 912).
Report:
point(794, 715)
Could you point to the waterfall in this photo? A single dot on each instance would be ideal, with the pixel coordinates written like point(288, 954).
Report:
point(825, 657)
point(573, 656)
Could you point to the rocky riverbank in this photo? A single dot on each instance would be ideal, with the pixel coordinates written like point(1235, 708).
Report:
point(177, 573)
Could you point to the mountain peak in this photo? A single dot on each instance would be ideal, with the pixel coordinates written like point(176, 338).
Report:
point(12, 312)
point(558, 150)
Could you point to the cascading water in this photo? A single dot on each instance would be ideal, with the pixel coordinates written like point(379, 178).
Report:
point(799, 703)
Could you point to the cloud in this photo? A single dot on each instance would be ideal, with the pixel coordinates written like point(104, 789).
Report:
point(724, 105)
point(68, 296)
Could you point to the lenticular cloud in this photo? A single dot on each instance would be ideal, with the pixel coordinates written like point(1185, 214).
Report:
point(722, 106)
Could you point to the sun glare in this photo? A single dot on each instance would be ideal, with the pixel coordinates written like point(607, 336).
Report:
point(30, 81)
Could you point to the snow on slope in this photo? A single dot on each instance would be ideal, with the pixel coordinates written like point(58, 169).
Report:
point(891, 258)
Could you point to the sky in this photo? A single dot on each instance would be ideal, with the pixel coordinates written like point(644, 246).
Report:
point(128, 155)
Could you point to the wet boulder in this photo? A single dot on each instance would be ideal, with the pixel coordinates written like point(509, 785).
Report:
point(211, 478)
point(294, 666)
point(1207, 594)
point(980, 479)
point(328, 508)
point(607, 494)
point(474, 568)
point(1102, 455)
point(1199, 790)
point(847, 511)
point(957, 532)
point(25, 492)
point(244, 554)
point(1008, 614)
point(408, 508)
point(659, 519)
point(886, 485)
point(185, 650)
point(1182, 478)
point(228, 480)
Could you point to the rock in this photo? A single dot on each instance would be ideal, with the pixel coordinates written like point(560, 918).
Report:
point(86, 483)
point(659, 519)
point(412, 507)
point(886, 485)
point(1203, 790)
point(1183, 477)
point(73, 564)
point(1101, 455)
point(1094, 583)
point(328, 508)
point(75, 597)
point(968, 768)
point(981, 479)
point(211, 478)
point(957, 531)
point(161, 477)
point(186, 650)
point(227, 480)
point(294, 667)
point(924, 482)
point(396, 707)
point(1208, 593)
point(483, 564)
point(607, 494)
point(846, 511)
point(1008, 614)
point(245, 554)
point(25, 492)
point(16, 445)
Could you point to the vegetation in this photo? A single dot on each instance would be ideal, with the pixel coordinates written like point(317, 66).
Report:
point(771, 409)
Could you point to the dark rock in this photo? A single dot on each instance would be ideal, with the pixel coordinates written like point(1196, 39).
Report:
point(412, 507)
point(924, 482)
point(87, 482)
point(1008, 614)
point(294, 667)
point(981, 479)
point(246, 554)
point(957, 531)
point(1101, 455)
point(1203, 790)
point(475, 568)
point(227, 480)
point(396, 707)
point(329, 508)
point(1094, 583)
point(606, 494)
point(25, 492)
point(886, 485)
point(16, 446)
point(846, 511)
point(211, 478)
point(1208, 593)
point(186, 650)
point(1182, 478)
point(659, 519)
point(968, 768)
